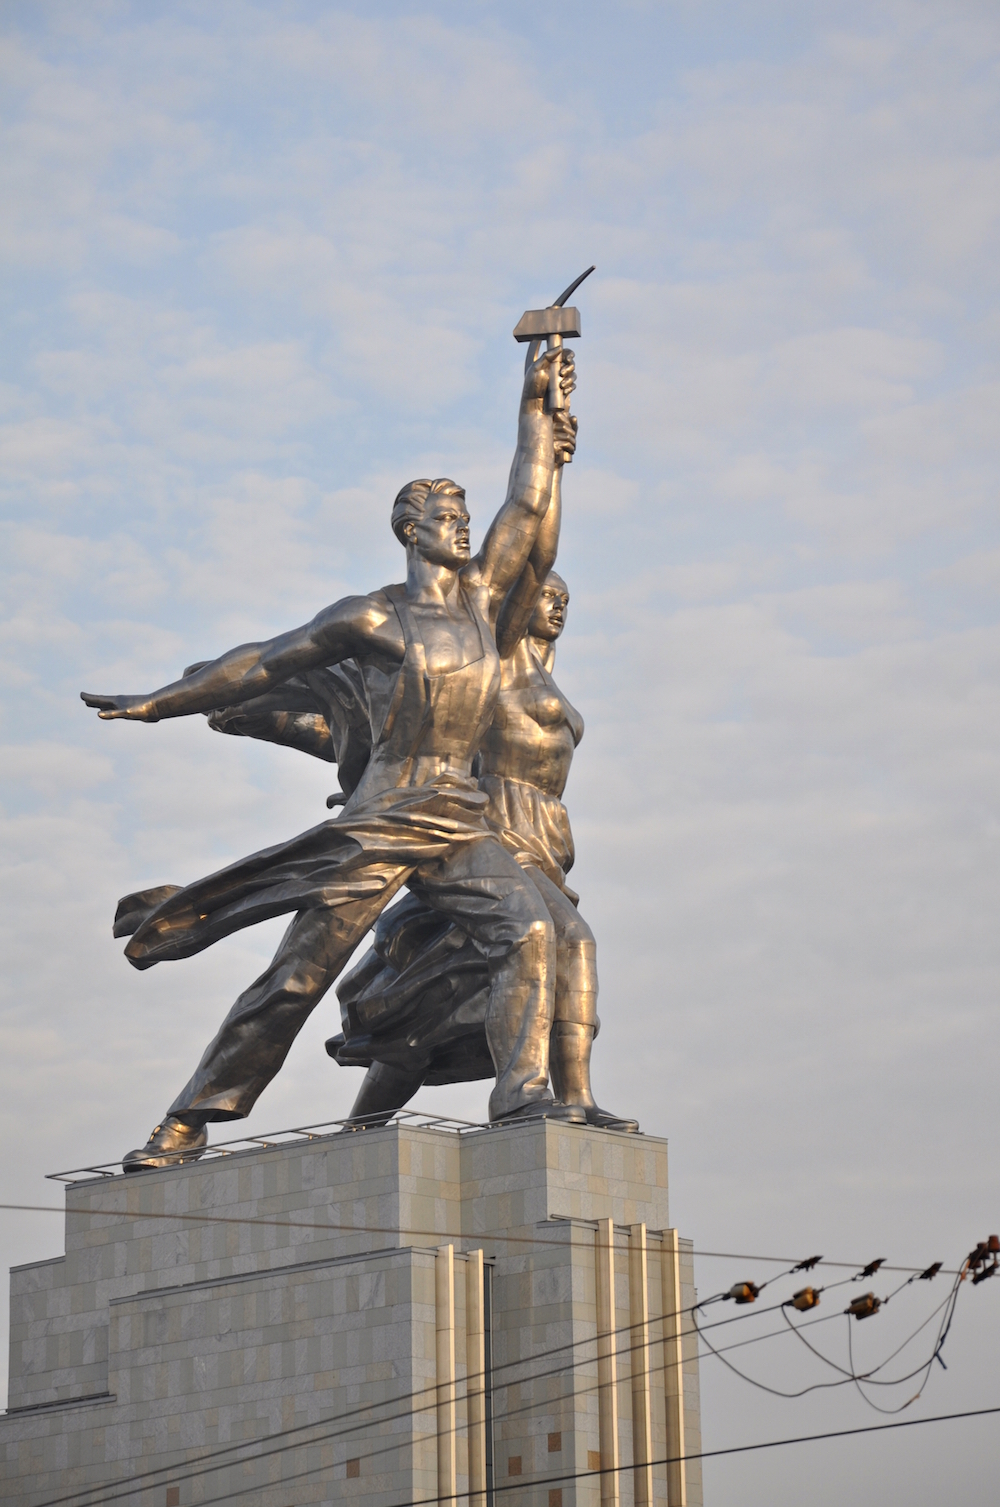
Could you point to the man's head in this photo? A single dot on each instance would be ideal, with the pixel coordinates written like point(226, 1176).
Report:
point(549, 617)
point(432, 518)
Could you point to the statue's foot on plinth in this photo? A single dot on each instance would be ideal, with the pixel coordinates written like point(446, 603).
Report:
point(170, 1144)
point(367, 1122)
point(605, 1120)
point(545, 1109)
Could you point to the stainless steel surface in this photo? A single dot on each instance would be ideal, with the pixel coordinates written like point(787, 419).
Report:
point(404, 688)
point(554, 324)
point(414, 1009)
point(557, 303)
point(535, 324)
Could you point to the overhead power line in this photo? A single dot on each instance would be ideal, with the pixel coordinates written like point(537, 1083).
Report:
point(523, 1485)
point(425, 1397)
point(374, 1229)
point(713, 1454)
point(281, 1440)
point(847, 1377)
point(580, 1391)
point(359, 1418)
point(360, 1421)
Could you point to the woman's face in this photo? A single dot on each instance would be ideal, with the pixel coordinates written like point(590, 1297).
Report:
point(549, 617)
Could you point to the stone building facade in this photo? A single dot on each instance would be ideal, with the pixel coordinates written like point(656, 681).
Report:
point(401, 1315)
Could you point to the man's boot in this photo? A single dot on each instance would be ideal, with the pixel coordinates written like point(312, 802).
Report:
point(570, 1046)
point(173, 1142)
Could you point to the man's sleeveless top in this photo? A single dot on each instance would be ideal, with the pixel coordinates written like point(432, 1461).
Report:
point(417, 716)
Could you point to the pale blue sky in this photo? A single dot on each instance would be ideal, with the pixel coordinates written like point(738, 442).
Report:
point(261, 265)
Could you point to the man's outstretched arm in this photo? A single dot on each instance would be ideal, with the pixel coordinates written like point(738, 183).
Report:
point(347, 628)
point(512, 534)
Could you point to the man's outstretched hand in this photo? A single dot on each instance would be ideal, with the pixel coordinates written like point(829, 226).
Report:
point(134, 708)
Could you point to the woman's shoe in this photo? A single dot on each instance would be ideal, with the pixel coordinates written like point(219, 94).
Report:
point(603, 1119)
point(545, 1109)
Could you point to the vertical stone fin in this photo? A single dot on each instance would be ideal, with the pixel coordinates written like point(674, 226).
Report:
point(607, 1364)
point(673, 1372)
point(475, 1351)
point(444, 1282)
point(642, 1415)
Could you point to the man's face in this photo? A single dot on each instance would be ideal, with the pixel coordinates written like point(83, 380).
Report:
point(441, 535)
point(549, 617)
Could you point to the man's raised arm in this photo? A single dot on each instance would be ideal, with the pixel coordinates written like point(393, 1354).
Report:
point(525, 594)
point(512, 533)
point(336, 633)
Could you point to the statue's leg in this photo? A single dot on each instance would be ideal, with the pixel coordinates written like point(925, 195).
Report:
point(385, 1089)
point(575, 1022)
point(487, 893)
point(258, 1032)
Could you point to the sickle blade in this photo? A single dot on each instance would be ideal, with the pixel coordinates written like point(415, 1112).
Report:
point(558, 303)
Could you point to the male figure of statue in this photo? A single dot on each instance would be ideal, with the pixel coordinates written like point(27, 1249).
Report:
point(427, 654)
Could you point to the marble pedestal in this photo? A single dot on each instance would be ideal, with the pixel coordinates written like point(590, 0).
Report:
point(395, 1316)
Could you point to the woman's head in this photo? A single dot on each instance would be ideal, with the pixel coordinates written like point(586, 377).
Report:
point(549, 617)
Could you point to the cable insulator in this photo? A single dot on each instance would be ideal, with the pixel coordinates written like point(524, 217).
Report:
point(743, 1292)
point(987, 1271)
point(864, 1307)
point(993, 1245)
point(805, 1299)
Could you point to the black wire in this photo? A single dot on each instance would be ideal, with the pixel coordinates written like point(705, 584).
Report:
point(577, 1391)
point(926, 1369)
point(895, 1290)
point(132, 1483)
point(354, 1413)
point(129, 1484)
point(177, 1479)
point(796, 1330)
point(849, 1265)
point(949, 1299)
point(720, 1297)
point(710, 1454)
point(869, 1376)
point(405, 1397)
point(361, 1229)
point(596, 1386)
point(846, 1376)
point(199, 1217)
point(857, 1383)
point(818, 1386)
point(582, 1475)
point(408, 1397)
point(851, 1375)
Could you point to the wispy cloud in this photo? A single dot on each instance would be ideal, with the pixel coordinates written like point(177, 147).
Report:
point(262, 264)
